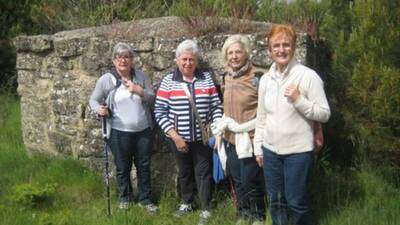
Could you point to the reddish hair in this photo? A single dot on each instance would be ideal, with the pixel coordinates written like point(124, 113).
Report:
point(282, 29)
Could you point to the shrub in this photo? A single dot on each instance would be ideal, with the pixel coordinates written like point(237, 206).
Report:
point(33, 195)
point(368, 59)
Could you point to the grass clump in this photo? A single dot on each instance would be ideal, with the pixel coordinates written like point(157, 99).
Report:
point(33, 195)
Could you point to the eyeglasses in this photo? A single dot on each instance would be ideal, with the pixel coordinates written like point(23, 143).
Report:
point(123, 57)
point(277, 46)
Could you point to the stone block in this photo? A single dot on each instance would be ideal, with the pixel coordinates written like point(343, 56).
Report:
point(55, 62)
point(28, 61)
point(166, 44)
point(145, 45)
point(162, 60)
point(209, 42)
point(61, 142)
point(99, 45)
point(68, 47)
point(261, 59)
point(40, 43)
point(93, 63)
point(27, 77)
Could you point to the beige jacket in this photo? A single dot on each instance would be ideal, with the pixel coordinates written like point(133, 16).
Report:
point(240, 99)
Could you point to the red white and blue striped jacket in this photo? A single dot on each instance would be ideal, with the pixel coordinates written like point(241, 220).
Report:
point(172, 108)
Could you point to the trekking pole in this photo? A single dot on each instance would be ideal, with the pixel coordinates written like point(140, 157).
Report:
point(106, 165)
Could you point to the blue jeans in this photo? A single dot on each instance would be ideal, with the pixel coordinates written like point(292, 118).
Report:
point(248, 182)
point(128, 148)
point(286, 178)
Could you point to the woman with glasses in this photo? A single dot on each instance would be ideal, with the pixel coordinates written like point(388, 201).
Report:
point(291, 99)
point(124, 96)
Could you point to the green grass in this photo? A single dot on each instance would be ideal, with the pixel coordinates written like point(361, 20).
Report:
point(352, 197)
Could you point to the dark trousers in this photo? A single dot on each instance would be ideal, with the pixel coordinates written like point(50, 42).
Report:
point(248, 183)
point(128, 148)
point(194, 167)
point(286, 178)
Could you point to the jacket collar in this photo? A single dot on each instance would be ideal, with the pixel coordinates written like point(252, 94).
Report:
point(242, 71)
point(177, 75)
point(116, 74)
point(274, 69)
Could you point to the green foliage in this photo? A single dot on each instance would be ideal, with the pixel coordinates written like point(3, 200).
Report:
point(366, 59)
point(307, 15)
point(33, 195)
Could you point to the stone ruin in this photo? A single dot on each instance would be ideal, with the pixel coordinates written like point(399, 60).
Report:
point(56, 74)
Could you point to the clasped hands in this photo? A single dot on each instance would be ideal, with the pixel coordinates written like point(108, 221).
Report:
point(134, 88)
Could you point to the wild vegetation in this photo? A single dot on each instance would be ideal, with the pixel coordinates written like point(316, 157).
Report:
point(354, 46)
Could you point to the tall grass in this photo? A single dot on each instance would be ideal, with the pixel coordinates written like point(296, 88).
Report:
point(348, 197)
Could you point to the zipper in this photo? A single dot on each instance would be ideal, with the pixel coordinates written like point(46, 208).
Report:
point(192, 116)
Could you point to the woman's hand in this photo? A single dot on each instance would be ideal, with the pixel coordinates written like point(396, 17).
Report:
point(180, 144)
point(103, 111)
point(178, 140)
point(292, 92)
point(318, 137)
point(260, 160)
point(134, 88)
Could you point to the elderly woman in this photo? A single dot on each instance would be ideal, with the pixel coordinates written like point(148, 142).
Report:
point(176, 116)
point(291, 97)
point(240, 94)
point(124, 95)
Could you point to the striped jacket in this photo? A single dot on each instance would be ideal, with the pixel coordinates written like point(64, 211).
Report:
point(172, 108)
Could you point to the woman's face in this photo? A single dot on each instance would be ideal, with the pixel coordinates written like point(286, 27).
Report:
point(123, 62)
point(236, 56)
point(281, 49)
point(187, 63)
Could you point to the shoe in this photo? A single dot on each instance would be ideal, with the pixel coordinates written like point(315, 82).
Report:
point(150, 207)
point(258, 222)
point(183, 210)
point(204, 217)
point(123, 205)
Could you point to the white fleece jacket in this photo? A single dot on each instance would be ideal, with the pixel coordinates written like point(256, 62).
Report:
point(286, 127)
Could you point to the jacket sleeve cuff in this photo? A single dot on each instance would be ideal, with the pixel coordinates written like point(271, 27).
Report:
point(302, 104)
point(257, 149)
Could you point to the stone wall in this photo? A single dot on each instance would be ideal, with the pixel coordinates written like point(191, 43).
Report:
point(56, 74)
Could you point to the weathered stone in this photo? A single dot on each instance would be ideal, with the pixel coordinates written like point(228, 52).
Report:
point(40, 43)
point(54, 62)
point(99, 45)
point(61, 142)
point(260, 41)
point(166, 44)
point(213, 59)
point(212, 42)
point(28, 61)
point(26, 77)
point(145, 45)
point(70, 47)
point(93, 63)
point(261, 59)
point(162, 60)
point(22, 44)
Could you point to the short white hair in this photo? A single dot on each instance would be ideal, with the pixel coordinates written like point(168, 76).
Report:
point(121, 47)
point(237, 38)
point(188, 45)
